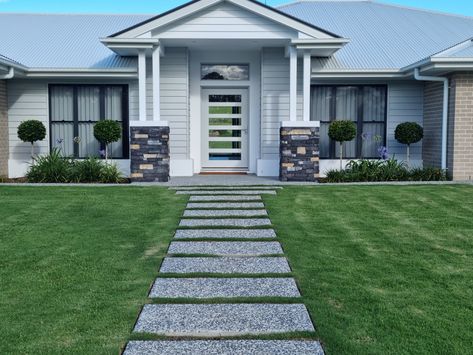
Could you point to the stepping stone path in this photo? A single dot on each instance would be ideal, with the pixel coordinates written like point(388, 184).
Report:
point(225, 258)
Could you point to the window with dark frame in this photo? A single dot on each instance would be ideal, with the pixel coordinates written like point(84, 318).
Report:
point(73, 112)
point(365, 105)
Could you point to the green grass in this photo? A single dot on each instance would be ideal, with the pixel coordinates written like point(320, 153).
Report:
point(76, 264)
point(383, 269)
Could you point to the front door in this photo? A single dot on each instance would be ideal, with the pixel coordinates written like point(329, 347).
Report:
point(225, 130)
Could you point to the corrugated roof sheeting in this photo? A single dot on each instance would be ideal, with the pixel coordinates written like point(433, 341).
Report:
point(462, 53)
point(63, 41)
point(382, 36)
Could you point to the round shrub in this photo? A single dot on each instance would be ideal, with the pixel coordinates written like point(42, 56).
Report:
point(107, 131)
point(342, 131)
point(31, 131)
point(409, 133)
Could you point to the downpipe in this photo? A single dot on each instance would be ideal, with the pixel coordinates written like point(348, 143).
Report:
point(10, 74)
point(419, 77)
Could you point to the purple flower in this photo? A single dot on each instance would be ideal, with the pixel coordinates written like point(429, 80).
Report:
point(59, 141)
point(366, 136)
point(102, 153)
point(383, 153)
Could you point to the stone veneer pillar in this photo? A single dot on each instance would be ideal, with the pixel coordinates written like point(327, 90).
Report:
point(149, 146)
point(299, 151)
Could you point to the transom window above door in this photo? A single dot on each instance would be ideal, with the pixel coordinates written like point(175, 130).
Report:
point(231, 72)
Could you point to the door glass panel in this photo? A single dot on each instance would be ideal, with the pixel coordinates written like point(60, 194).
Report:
point(224, 121)
point(225, 110)
point(225, 133)
point(225, 156)
point(225, 145)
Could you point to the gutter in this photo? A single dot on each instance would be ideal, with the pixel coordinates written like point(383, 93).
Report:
point(419, 77)
point(10, 74)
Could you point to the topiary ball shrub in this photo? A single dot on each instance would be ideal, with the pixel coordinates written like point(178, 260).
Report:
point(342, 131)
point(107, 132)
point(409, 133)
point(31, 131)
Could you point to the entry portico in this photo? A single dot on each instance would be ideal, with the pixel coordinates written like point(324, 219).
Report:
point(244, 70)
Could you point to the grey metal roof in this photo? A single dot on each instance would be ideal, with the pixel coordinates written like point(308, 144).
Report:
point(63, 41)
point(382, 36)
point(464, 50)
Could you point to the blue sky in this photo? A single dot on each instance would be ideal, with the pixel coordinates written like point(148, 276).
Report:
point(464, 7)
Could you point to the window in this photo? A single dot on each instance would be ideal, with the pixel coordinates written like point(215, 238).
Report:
point(364, 105)
point(234, 72)
point(74, 110)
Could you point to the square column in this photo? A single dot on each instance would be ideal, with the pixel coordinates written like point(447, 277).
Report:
point(306, 86)
point(142, 85)
point(292, 84)
point(156, 84)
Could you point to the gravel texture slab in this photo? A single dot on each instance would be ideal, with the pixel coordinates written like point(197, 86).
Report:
point(224, 347)
point(204, 198)
point(209, 320)
point(242, 222)
point(204, 288)
point(226, 192)
point(211, 188)
point(226, 248)
point(225, 234)
point(225, 213)
point(210, 205)
point(225, 265)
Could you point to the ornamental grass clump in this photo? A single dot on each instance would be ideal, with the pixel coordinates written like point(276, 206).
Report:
point(342, 131)
point(107, 132)
point(30, 132)
point(409, 133)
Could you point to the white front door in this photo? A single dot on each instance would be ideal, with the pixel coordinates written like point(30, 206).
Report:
point(225, 129)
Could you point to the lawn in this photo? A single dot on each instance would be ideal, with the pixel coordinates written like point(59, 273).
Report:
point(76, 264)
point(383, 269)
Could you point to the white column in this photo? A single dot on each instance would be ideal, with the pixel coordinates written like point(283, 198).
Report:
point(142, 84)
point(156, 84)
point(293, 84)
point(306, 89)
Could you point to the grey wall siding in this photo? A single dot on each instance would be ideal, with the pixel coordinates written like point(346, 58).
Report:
point(174, 98)
point(3, 129)
point(224, 21)
point(433, 108)
point(275, 98)
point(405, 104)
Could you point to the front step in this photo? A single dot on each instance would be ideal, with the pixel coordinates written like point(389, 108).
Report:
point(223, 320)
point(224, 347)
point(252, 265)
point(225, 234)
point(207, 288)
point(234, 222)
point(225, 213)
point(226, 192)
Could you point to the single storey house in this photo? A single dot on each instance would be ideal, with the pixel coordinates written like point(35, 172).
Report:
point(238, 86)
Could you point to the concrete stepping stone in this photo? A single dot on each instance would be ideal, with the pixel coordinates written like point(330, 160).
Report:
point(226, 265)
point(224, 347)
point(225, 213)
point(223, 205)
point(243, 222)
point(204, 198)
point(226, 192)
point(193, 188)
point(205, 288)
point(211, 320)
point(225, 234)
point(226, 248)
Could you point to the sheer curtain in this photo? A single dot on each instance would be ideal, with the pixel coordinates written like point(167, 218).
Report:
point(321, 101)
point(62, 119)
point(113, 111)
point(88, 111)
point(374, 113)
point(346, 108)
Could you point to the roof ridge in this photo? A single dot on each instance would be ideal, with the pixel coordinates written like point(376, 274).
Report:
point(71, 14)
point(295, 2)
point(420, 9)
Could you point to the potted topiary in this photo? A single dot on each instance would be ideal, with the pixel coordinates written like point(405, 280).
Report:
point(409, 133)
point(342, 131)
point(30, 132)
point(107, 132)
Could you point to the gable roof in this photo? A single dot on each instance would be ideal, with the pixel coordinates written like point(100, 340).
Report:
point(377, 41)
point(252, 5)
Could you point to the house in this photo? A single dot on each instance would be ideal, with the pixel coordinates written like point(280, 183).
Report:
point(238, 86)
